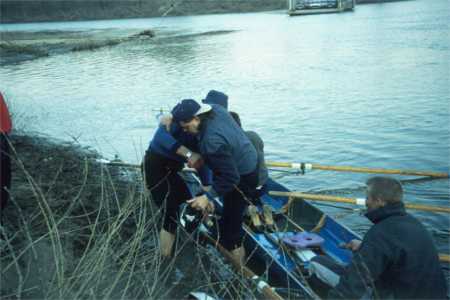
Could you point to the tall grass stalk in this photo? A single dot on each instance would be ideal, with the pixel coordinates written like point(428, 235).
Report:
point(99, 233)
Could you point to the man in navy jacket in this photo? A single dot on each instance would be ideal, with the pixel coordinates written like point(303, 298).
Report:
point(233, 160)
point(169, 149)
point(396, 259)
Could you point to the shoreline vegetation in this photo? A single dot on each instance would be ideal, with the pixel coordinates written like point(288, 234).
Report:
point(24, 11)
point(77, 228)
point(14, 11)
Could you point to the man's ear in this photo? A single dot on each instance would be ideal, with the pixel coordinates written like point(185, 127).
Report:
point(380, 202)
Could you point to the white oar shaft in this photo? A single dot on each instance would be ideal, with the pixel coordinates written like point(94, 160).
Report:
point(309, 166)
point(328, 198)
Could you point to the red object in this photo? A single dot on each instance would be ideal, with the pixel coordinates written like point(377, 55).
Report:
point(5, 119)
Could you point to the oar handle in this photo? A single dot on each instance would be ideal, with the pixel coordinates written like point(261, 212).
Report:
point(309, 166)
point(328, 198)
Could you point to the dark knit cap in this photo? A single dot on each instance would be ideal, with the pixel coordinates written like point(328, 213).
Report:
point(216, 97)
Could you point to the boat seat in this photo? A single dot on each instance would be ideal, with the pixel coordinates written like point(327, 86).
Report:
point(305, 255)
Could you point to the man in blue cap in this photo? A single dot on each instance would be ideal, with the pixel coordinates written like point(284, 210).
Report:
point(233, 160)
point(219, 98)
point(169, 149)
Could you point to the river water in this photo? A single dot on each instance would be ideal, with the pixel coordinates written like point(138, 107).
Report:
point(366, 88)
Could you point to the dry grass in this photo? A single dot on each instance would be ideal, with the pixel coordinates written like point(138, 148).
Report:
point(75, 228)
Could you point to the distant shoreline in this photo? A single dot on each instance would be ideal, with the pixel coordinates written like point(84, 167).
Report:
point(14, 11)
point(25, 11)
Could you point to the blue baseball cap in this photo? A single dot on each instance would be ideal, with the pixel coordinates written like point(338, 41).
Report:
point(187, 109)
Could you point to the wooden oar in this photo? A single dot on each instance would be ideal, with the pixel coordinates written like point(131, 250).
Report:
point(263, 287)
point(307, 166)
point(328, 198)
point(444, 258)
point(331, 198)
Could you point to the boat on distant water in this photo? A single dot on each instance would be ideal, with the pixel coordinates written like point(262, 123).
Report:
point(308, 7)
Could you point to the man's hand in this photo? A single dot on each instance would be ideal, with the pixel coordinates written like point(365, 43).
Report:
point(166, 120)
point(206, 188)
point(210, 207)
point(199, 203)
point(195, 161)
point(352, 245)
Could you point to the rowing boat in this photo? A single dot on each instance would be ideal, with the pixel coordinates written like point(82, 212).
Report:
point(270, 255)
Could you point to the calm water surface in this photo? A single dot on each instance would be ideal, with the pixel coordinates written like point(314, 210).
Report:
point(368, 88)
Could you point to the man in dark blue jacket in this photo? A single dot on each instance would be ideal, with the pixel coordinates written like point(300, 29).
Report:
point(169, 149)
point(233, 160)
point(219, 98)
point(396, 259)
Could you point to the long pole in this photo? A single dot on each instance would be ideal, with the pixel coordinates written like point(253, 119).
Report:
point(328, 198)
point(309, 166)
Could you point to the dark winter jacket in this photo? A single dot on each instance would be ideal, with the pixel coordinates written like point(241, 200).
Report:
point(227, 150)
point(167, 143)
point(219, 98)
point(263, 173)
point(397, 258)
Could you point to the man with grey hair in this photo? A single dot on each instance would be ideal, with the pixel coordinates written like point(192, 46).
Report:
point(396, 258)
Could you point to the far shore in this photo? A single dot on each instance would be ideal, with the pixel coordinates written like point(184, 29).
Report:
point(25, 11)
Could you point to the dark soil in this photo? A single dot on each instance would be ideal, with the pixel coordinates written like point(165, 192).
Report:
point(78, 228)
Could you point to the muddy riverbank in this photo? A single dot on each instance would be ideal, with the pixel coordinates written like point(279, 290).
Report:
point(76, 228)
point(18, 46)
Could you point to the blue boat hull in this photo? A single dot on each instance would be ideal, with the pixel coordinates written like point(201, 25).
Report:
point(286, 269)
